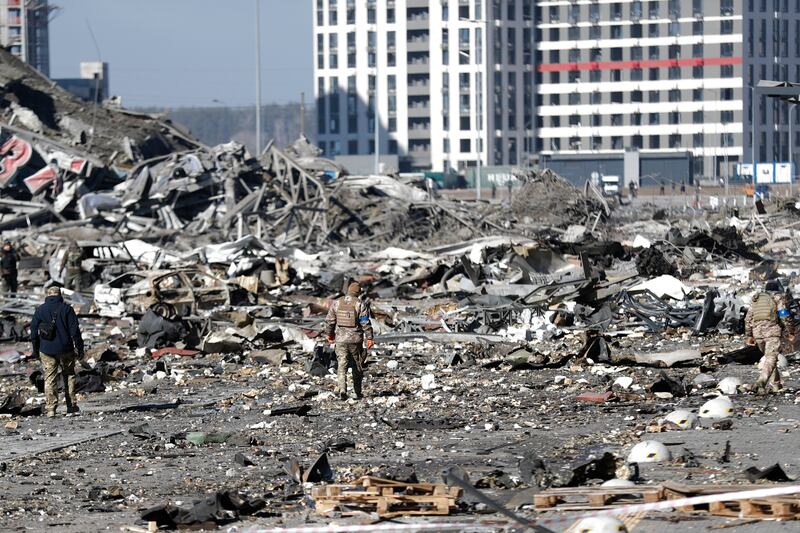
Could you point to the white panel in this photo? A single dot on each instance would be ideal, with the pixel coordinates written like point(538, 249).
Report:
point(628, 86)
point(644, 21)
point(655, 107)
point(644, 41)
point(644, 129)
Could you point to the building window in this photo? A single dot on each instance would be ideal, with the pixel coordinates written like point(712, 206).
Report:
point(352, 147)
point(351, 12)
point(655, 119)
point(333, 13)
point(675, 141)
point(595, 76)
point(511, 49)
point(465, 146)
point(390, 18)
point(674, 117)
point(655, 142)
point(653, 74)
point(637, 96)
point(726, 49)
point(698, 141)
point(333, 50)
point(726, 27)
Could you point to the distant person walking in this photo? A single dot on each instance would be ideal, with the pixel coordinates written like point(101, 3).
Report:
point(8, 267)
point(348, 325)
point(663, 187)
point(57, 341)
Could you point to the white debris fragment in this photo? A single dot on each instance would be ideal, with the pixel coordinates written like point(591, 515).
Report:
point(428, 382)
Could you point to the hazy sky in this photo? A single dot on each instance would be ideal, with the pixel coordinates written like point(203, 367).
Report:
point(188, 52)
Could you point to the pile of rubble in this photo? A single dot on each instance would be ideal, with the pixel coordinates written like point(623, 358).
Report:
point(526, 352)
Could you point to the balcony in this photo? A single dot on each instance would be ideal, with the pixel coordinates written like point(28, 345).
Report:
point(419, 89)
point(418, 44)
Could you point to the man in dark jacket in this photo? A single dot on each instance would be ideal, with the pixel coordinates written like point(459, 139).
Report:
point(59, 350)
point(8, 267)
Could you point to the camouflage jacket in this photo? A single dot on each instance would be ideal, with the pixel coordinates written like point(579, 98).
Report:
point(349, 335)
point(765, 329)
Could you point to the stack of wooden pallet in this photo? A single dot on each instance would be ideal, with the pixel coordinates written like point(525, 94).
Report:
point(588, 498)
point(773, 507)
point(386, 498)
point(591, 498)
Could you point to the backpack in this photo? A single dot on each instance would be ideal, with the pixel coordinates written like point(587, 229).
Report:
point(48, 330)
point(764, 308)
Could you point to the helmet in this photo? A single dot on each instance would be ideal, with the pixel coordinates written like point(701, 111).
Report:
point(649, 451)
point(719, 407)
point(682, 418)
point(729, 385)
point(600, 524)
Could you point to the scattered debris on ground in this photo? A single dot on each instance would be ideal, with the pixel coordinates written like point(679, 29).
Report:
point(558, 352)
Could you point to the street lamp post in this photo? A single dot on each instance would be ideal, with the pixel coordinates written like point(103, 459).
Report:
point(258, 77)
point(375, 115)
point(791, 148)
point(753, 137)
point(478, 106)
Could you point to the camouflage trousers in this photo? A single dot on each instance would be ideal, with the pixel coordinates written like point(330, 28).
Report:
point(770, 375)
point(349, 355)
point(51, 364)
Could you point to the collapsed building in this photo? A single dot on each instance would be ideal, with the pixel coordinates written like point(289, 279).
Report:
point(533, 355)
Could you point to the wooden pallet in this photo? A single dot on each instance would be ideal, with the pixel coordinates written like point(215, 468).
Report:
point(386, 498)
point(569, 498)
point(777, 507)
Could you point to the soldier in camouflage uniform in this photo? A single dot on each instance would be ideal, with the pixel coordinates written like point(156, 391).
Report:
point(767, 321)
point(348, 324)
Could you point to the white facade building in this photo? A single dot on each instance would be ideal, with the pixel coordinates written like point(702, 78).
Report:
point(436, 66)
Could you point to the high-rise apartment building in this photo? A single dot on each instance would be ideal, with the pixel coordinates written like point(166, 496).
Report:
point(771, 51)
point(569, 82)
point(660, 77)
point(24, 31)
point(435, 67)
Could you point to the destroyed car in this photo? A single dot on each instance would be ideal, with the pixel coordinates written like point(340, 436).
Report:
point(182, 292)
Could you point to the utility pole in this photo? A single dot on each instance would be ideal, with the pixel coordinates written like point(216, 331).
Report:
point(258, 78)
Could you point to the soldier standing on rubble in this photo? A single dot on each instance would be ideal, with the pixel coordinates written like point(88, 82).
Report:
point(348, 325)
point(57, 341)
point(766, 322)
point(72, 267)
point(8, 268)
